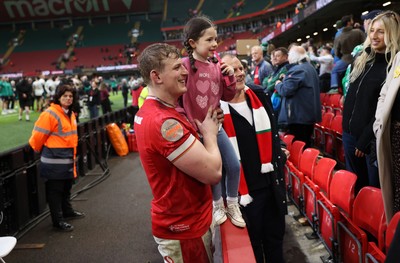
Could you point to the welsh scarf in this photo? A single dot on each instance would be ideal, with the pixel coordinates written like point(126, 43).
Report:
point(262, 126)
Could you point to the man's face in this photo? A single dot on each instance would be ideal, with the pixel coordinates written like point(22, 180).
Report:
point(174, 76)
point(238, 71)
point(256, 54)
point(278, 58)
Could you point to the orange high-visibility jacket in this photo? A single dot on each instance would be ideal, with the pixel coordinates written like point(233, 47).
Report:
point(55, 135)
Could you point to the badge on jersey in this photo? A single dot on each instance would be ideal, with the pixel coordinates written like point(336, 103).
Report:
point(171, 130)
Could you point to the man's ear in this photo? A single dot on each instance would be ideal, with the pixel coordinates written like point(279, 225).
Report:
point(155, 77)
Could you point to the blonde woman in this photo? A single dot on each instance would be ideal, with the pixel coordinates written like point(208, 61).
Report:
point(366, 80)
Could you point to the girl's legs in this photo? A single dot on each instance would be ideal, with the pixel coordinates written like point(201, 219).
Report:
point(231, 166)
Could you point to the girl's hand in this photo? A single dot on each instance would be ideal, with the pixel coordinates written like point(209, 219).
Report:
point(226, 69)
point(220, 115)
point(210, 124)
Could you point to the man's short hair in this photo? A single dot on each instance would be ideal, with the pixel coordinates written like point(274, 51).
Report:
point(283, 50)
point(346, 19)
point(152, 58)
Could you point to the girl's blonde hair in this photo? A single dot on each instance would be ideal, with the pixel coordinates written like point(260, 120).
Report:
point(391, 25)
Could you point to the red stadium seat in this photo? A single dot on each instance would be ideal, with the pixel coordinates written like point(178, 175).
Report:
point(288, 140)
point(323, 174)
point(296, 177)
point(308, 161)
point(341, 197)
point(334, 104)
point(391, 229)
point(330, 146)
point(368, 217)
point(295, 152)
point(374, 254)
point(320, 128)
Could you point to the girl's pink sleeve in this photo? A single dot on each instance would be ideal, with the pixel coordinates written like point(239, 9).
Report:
point(229, 87)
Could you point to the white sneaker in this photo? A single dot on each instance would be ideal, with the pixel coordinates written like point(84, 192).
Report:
point(4, 112)
point(235, 215)
point(219, 214)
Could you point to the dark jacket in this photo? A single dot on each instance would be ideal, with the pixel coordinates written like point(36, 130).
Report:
point(301, 102)
point(361, 101)
point(250, 159)
point(346, 42)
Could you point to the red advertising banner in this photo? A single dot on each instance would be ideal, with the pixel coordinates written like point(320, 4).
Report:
point(28, 10)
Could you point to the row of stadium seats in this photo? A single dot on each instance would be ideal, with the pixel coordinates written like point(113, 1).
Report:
point(352, 228)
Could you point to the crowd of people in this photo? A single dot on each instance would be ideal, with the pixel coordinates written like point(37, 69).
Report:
point(208, 127)
point(278, 92)
point(29, 94)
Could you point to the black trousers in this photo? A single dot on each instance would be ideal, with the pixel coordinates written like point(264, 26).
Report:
point(301, 132)
point(266, 226)
point(58, 195)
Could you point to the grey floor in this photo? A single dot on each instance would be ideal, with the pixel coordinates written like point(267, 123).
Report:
point(117, 225)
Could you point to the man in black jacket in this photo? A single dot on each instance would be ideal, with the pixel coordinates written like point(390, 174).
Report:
point(250, 122)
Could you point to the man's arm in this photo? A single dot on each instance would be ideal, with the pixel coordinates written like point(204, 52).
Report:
point(203, 162)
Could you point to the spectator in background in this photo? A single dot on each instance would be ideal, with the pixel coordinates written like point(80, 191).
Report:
point(262, 68)
point(246, 69)
point(387, 132)
point(281, 66)
point(24, 91)
point(6, 94)
point(344, 45)
point(105, 98)
point(325, 61)
point(179, 167)
point(114, 85)
point(366, 80)
point(125, 90)
point(94, 99)
point(265, 214)
point(136, 90)
point(38, 92)
point(301, 105)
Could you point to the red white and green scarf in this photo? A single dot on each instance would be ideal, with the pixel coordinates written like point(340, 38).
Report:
point(262, 126)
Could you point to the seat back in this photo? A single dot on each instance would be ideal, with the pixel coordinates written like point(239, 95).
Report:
point(391, 229)
point(327, 119)
point(295, 152)
point(288, 140)
point(308, 161)
point(341, 190)
point(368, 211)
point(336, 124)
point(323, 174)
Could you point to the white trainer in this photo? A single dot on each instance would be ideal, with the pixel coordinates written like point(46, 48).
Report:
point(235, 215)
point(219, 214)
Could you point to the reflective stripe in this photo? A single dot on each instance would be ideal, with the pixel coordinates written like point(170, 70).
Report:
point(181, 149)
point(56, 161)
point(60, 133)
point(38, 129)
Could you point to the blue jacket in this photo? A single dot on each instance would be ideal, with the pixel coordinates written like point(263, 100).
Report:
point(300, 96)
point(264, 70)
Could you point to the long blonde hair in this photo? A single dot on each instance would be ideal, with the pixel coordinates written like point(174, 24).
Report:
point(391, 25)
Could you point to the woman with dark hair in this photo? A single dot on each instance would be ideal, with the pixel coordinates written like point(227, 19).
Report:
point(55, 137)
